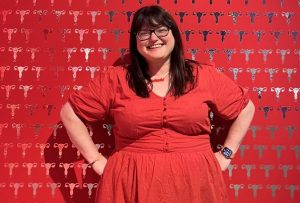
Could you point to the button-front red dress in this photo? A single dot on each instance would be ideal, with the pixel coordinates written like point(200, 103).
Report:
point(162, 148)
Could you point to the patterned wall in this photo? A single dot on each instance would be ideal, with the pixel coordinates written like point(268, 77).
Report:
point(49, 48)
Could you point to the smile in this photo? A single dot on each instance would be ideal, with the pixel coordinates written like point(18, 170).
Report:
point(154, 46)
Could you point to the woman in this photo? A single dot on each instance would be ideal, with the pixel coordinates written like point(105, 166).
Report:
point(159, 109)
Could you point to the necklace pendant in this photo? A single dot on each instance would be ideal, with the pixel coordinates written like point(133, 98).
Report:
point(161, 79)
point(158, 80)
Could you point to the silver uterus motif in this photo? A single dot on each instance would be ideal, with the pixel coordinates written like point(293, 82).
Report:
point(93, 14)
point(81, 33)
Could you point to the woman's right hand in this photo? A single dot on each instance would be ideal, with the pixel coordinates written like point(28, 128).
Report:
point(99, 165)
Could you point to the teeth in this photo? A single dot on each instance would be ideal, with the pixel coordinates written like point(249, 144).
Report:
point(155, 46)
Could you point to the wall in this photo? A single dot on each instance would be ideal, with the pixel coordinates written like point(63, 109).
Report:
point(50, 48)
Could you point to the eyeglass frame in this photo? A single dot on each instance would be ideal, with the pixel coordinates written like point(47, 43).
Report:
point(153, 31)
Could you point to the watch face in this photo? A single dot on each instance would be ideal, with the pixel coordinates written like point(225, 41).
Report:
point(227, 152)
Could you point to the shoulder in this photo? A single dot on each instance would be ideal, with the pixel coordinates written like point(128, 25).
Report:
point(208, 74)
point(199, 64)
point(109, 75)
point(113, 71)
point(202, 65)
point(201, 68)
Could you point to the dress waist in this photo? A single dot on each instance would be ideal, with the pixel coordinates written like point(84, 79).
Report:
point(166, 143)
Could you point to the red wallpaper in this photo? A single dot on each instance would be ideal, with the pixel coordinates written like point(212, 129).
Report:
point(49, 48)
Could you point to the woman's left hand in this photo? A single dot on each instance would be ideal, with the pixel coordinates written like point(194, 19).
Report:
point(224, 163)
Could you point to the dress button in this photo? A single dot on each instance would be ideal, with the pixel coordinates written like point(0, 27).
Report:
point(165, 108)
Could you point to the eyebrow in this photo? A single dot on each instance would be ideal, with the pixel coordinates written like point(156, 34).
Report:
point(152, 28)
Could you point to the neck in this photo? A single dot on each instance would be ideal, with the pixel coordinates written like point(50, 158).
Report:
point(158, 68)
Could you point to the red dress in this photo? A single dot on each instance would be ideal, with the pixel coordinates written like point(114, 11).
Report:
point(162, 148)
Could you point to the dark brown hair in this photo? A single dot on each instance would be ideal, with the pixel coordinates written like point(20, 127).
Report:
point(181, 70)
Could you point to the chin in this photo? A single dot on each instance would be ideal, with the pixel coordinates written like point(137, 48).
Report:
point(158, 58)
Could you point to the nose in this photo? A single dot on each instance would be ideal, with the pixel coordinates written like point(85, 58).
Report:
point(153, 36)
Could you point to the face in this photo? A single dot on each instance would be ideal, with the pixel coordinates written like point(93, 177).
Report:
point(156, 48)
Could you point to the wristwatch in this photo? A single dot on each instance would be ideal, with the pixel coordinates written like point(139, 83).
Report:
point(226, 152)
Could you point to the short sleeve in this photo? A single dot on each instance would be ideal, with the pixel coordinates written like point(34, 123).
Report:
point(228, 98)
point(92, 102)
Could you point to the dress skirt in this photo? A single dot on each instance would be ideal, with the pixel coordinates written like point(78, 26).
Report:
point(137, 175)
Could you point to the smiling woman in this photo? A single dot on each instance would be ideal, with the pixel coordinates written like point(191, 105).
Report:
point(157, 54)
point(159, 108)
point(156, 45)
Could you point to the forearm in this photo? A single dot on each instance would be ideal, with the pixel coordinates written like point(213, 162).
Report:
point(239, 128)
point(78, 134)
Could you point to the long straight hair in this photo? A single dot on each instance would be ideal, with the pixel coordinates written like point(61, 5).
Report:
point(181, 70)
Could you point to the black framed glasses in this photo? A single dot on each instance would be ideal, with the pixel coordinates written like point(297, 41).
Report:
point(159, 32)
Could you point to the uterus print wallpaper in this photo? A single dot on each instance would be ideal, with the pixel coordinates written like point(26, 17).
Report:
point(50, 48)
